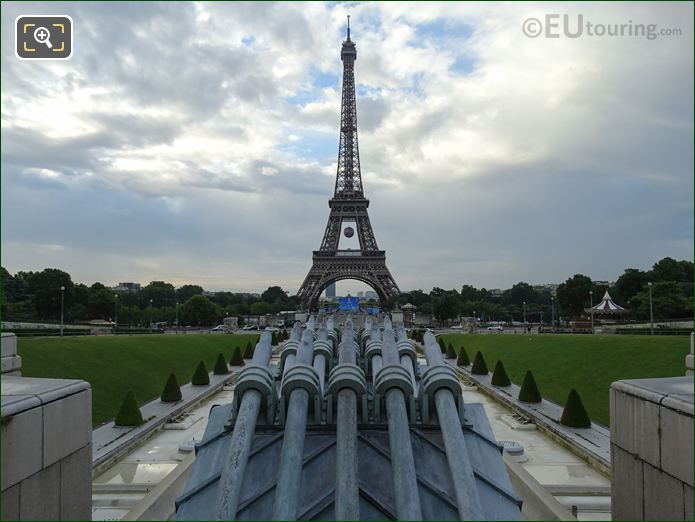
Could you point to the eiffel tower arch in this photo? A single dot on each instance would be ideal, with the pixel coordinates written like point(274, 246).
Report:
point(348, 207)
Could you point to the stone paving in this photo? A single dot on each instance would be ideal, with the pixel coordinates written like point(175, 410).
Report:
point(109, 442)
point(592, 444)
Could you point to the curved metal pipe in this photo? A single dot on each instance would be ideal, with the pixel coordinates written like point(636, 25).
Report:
point(292, 453)
point(402, 463)
point(457, 457)
point(347, 505)
point(231, 480)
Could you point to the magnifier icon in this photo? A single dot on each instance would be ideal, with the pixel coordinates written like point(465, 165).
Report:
point(42, 35)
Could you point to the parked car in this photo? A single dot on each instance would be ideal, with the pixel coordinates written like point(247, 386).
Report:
point(457, 327)
point(271, 329)
point(250, 327)
point(496, 327)
point(218, 328)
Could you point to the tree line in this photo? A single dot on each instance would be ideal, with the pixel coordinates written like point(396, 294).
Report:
point(30, 296)
point(672, 297)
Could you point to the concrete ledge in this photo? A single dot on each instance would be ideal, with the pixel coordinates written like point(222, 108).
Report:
point(539, 503)
point(590, 444)
point(111, 443)
point(158, 504)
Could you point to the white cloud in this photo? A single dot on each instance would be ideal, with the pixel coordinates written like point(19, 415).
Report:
point(485, 145)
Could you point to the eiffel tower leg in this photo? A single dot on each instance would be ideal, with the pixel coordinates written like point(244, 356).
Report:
point(328, 269)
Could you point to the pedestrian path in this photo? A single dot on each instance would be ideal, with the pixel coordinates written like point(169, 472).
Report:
point(109, 442)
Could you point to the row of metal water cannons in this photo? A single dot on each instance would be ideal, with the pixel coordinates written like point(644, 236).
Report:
point(373, 366)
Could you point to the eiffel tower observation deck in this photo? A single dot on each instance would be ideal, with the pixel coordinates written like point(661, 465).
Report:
point(348, 207)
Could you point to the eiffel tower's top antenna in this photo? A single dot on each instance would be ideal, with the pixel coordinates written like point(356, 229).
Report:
point(348, 28)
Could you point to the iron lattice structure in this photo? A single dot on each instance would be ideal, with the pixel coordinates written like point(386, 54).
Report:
point(348, 205)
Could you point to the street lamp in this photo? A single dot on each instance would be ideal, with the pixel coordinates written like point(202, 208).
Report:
point(115, 312)
point(552, 304)
point(177, 317)
point(651, 309)
point(524, 303)
point(591, 308)
point(150, 315)
point(62, 307)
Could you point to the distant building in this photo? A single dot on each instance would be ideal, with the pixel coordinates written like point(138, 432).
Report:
point(128, 287)
point(495, 292)
point(360, 295)
point(208, 293)
point(371, 294)
point(547, 287)
point(330, 290)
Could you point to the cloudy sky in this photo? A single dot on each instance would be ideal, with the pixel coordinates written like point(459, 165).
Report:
point(197, 142)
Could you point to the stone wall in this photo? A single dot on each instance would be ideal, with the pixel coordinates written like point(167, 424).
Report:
point(11, 362)
point(652, 449)
point(46, 446)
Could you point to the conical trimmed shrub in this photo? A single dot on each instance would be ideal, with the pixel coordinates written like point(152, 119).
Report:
point(129, 413)
point(441, 344)
point(499, 376)
point(172, 391)
point(463, 359)
point(479, 366)
point(237, 359)
point(274, 339)
point(200, 376)
point(529, 389)
point(450, 353)
point(248, 351)
point(220, 366)
point(574, 414)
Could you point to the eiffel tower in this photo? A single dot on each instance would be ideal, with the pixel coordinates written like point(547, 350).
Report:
point(348, 205)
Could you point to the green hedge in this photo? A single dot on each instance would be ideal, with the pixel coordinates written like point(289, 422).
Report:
point(129, 414)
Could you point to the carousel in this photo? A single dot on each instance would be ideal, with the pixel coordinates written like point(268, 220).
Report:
point(607, 307)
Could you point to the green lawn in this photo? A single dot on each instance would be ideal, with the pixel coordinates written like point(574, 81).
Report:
point(114, 365)
point(589, 363)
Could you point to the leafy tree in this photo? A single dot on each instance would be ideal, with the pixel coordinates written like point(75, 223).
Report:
point(274, 293)
point(479, 365)
point(221, 367)
point(519, 293)
point(100, 302)
point(199, 311)
point(201, 377)
point(44, 288)
point(425, 308)
point(20, 311)
point(13, 288)
point(248, 351)
point(629, 283)
point(573, 294)
point(274, 339)
point(161, 294)
point(529, 389)
point(670, 300)
point(185, 292)
point(499, 376)
point(668, 269)
point(469, 293)
point(172, 390)
point(574, 414)
point(260, 308)
point(129, 413)
point(445, 307)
